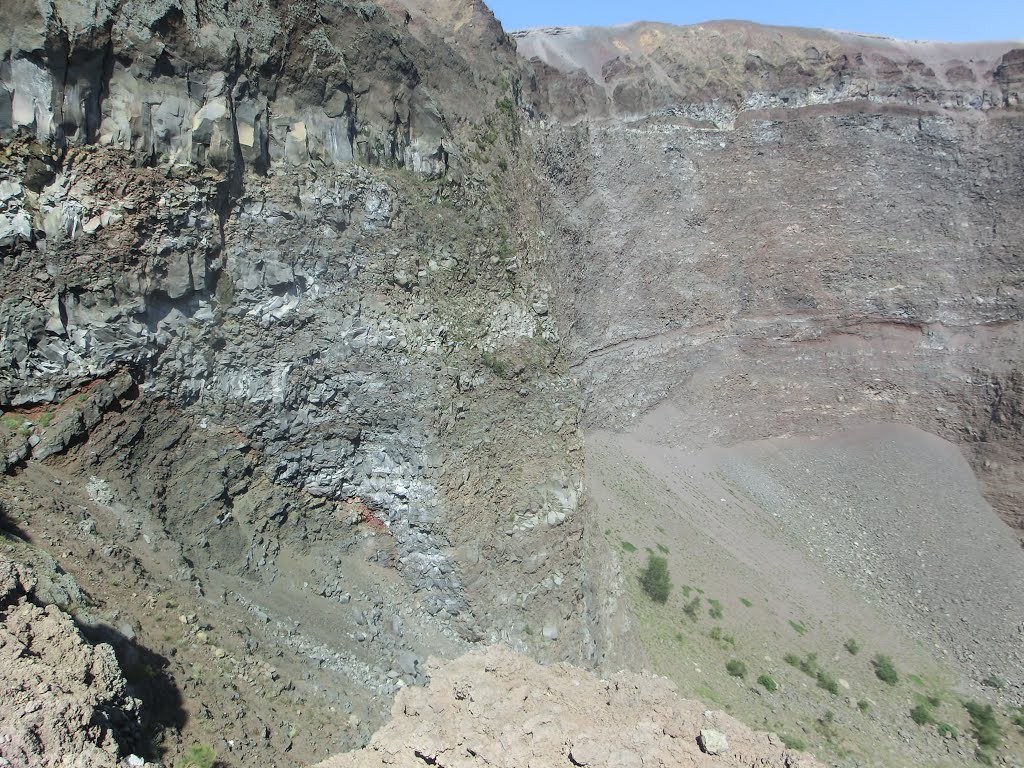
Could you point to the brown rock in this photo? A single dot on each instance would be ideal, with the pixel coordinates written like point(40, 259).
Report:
point(495, 707)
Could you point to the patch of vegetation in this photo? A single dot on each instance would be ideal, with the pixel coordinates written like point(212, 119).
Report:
point(686, 588)
point(922, 715)
point(691, 608)
point(946, 730)
point(766, 682)
point(627, 546)
point(852, 647)
point(1017, 717)
point(885, 670)
point(825, 725)
point(809, 666)
point(736, 668)
point(198, 756)
point(916, 680)
point(506, 107)
point(663, 549)
point(986, 729)
point(706, 694)
point(792, 742)
point(863, 705)
point(45, 419)
point(826, 681)
point(655, 579)
point(799, 628)
point(12, 421)
point(715, 611)
point(499, 368)
point(746, 602)
point(994, 682)
point(722, 637)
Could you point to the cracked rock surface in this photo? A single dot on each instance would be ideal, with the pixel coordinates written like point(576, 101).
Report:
point(493, 707)
point(66, 702)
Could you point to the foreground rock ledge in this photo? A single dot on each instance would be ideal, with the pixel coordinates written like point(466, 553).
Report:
point(63, 701)
point(495, 707)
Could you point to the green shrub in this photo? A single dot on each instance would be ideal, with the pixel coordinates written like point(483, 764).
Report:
point(825, 725)
point(497, 366)
point(809, 666)
point(736, 668)
point(799, 628)
point(663, 549)
point(852, 646)
point(505, 106)
point(691, 608)
point(986, 728)
point(655, 579)
point(994, 682)
point(768, 683)
point(885, 670)
point(863, 705)
point(628, 546)
point(945, 729)
point(722, 637)
point(12, 421)
point(746, 602)
point(1017, 717)
point(792, 742)
point(198, 756)
point(826, 681)
point(921, 714)
point(715, 611)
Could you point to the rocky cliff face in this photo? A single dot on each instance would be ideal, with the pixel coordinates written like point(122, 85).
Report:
point(737, 203)
point(767, 236)
point(275, 284)
point(304, 304)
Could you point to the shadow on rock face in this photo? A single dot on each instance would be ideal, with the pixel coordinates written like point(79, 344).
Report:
point(8, 527)
point(150, 682)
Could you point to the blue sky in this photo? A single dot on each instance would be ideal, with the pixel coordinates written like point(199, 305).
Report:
point(936, 20)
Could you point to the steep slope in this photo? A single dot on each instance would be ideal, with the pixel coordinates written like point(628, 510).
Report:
point(776, 243)
point(304, 304)
point(789, 198)
point(276, 331)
